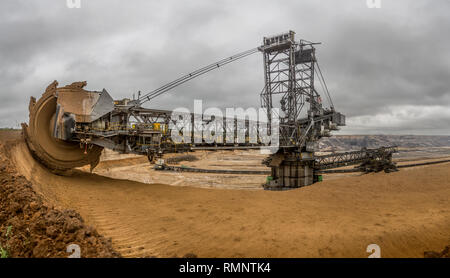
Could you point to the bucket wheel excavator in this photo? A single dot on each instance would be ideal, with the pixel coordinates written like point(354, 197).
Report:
point(69, 126)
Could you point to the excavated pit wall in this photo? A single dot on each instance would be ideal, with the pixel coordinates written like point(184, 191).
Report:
point(31, 226)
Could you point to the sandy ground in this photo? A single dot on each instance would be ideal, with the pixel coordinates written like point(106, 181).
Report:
point(137, 168)
point(405, 213)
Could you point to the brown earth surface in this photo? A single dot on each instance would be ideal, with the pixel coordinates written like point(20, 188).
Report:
point(433, 254)
point(406, 213)
point(30, 227)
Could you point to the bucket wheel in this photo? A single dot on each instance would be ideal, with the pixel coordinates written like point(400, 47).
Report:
point(55, 154)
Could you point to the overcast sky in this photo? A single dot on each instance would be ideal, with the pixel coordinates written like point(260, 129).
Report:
point(387, 69)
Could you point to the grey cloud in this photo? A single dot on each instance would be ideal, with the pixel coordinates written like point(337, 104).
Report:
point(372, 59)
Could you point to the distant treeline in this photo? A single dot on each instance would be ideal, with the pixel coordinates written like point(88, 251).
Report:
point(8, 128)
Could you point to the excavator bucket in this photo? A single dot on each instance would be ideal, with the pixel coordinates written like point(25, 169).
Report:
point(52, 121)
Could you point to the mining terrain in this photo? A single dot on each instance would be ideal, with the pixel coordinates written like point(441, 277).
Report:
point(126, 208)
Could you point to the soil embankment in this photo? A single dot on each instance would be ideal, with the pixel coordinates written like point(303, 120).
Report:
point(32, 227)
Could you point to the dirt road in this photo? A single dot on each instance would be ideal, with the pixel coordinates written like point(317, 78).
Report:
point(405, 213)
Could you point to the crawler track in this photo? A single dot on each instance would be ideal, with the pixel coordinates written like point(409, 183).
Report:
point(217, 171)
